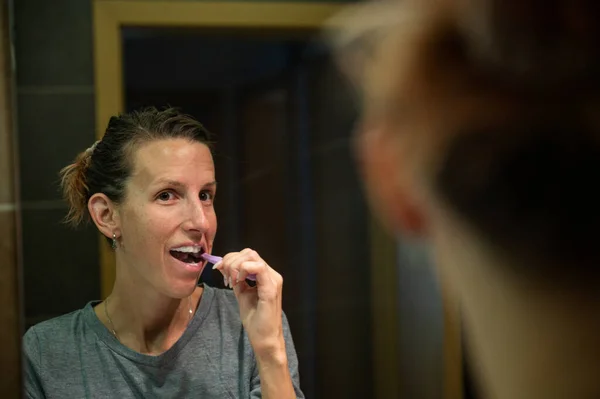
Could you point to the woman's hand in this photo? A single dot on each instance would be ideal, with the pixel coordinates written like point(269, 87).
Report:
point(262, 317)
point(260, 306)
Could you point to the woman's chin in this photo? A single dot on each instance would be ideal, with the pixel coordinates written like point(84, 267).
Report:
point(181, 290)
point(182, 286)
point(184, 271)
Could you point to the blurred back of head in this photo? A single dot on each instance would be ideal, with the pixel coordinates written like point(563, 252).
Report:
point(481, 131)
point(497, 101)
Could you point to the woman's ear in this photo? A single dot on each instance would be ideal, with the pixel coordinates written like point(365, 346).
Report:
point(105, 214)
point(385, 177)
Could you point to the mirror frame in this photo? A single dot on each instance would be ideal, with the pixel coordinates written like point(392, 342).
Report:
point(109, 16)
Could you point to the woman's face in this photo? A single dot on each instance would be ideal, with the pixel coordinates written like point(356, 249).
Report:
point(167, 218)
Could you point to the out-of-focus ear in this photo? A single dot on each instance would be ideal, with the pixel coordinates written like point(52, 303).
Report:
point(387, 185)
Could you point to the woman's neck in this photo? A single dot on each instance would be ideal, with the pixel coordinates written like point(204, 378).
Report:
point(528, 340)
point(143, 319)
point(534, 345)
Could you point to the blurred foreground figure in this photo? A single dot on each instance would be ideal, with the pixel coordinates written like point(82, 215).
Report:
point(480, 133)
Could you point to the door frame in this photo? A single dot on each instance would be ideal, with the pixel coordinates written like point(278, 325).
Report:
point(110, 16)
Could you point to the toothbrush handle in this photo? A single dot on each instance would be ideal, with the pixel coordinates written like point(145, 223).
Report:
point(216, 259)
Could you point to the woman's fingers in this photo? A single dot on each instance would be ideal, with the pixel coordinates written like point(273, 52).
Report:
point(257, 268)
point(224, 266)
point(236, 266)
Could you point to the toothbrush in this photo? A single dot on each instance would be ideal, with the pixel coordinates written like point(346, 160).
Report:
point(216, 259)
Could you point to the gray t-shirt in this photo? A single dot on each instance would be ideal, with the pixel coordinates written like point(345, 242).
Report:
point(75, 356)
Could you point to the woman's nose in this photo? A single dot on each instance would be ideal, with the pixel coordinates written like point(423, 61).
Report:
point(197, 219)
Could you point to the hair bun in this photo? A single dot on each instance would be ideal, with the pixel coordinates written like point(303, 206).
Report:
point(74, 186)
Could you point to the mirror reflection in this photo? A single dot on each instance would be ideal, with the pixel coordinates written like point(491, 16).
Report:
point(279, 179)
point(176, 141)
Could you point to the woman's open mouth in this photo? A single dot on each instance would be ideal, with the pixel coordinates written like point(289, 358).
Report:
point(188, 254)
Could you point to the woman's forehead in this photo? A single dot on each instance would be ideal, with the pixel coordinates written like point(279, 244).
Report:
point(175, 150)
point(171, 157)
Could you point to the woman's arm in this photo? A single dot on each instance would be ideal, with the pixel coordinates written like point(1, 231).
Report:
point(270, 372)
point(263, 320)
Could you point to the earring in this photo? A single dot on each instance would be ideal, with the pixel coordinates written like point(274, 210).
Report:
point(114, 241)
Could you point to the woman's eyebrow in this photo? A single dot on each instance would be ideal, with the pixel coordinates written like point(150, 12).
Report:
point(173, 183)
point(178, 184)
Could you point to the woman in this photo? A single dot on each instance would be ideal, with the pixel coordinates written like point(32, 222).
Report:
point(480, 134)
point(149, 187)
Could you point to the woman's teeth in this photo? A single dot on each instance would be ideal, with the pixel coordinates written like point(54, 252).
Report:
point(189, 254)
point(188, 249)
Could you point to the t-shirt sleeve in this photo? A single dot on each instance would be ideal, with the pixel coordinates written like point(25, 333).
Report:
point(32, 366)
point(255, 392)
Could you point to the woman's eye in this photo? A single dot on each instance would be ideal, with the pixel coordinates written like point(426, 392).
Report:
point(165, 196)
point(206, 196)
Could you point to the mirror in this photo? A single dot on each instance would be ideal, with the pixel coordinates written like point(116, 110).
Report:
point(257, 76)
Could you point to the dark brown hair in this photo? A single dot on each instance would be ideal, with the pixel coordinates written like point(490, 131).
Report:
point(106, 165)
point(508, 90)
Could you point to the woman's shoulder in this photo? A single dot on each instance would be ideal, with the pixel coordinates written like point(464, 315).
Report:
point(49, 333)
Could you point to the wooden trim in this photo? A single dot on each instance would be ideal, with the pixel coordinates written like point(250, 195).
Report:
point(110, 16)
point(453, 350)
point(384, 308)
point(108, 81)
point(217, 14)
